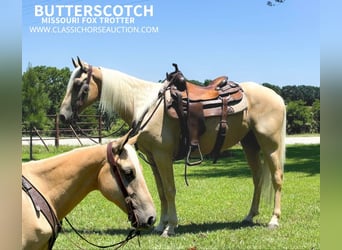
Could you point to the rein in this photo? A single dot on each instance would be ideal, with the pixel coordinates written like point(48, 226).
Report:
point(132, 234)
point(137, 125)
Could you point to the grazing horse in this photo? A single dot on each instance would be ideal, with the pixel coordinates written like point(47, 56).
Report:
point(54, 186)
point(260, 129)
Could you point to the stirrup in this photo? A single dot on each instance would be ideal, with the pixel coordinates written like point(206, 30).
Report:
point(188, 157)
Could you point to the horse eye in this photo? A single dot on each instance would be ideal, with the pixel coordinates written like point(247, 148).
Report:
point(129, 175)
point(86, 89)
point(78, 82)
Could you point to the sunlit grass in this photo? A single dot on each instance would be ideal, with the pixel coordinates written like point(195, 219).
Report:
point(211, 208)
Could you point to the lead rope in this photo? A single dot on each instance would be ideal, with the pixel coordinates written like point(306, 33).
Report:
point(132, 234)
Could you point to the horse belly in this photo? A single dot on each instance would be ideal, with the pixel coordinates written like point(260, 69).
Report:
point(36, 231)
point(237, 128)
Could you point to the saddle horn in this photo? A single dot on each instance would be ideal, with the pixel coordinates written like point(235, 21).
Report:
point(176, 67)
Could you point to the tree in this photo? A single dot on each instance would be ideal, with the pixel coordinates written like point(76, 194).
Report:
point(291, 93)
point(55, 82)
point(35, 101)
point(276, 89)
point(298, 118)
point(316, 116)
point(302, 92)
point(309, 94)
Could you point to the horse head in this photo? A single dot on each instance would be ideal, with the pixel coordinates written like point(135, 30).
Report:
point(130, 191)
point(83, 89)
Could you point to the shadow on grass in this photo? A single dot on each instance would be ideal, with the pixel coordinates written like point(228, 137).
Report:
point(299, 158)
point(182, 229)
point(303, 158)
point(214, 226)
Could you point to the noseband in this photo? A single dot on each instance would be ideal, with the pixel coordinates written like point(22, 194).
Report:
point(128, 197)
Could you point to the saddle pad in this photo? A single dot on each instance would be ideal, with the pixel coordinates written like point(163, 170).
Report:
point(211, 108)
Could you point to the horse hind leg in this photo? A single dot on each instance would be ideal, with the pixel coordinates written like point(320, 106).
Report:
point(274, 161)
point(252, 152)
point(273, 149)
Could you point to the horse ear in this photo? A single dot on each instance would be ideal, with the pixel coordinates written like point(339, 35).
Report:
point(74, 63)
point(120, 143)
point(133, 139)
point(80, 64)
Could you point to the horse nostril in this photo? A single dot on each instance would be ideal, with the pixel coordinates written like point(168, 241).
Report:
point(151, 221)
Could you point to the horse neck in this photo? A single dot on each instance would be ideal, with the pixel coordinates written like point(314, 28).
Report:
point(126, 95)
point(66, 179)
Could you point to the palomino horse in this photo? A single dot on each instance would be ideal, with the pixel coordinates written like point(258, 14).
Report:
point(260, 128)
point(64, 180)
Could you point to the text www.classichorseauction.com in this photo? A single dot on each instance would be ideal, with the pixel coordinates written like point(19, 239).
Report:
point(92, 19)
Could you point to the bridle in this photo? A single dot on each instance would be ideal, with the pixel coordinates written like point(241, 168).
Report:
point(113, 162)
point(79, 102)
point(82, 91)
point(132, 217)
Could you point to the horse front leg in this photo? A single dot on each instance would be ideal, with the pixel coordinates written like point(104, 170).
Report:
point(163, 202)
point(168, 220)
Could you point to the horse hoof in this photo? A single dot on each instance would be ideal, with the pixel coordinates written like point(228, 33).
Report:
point(272, 226)
point(159, 229)
point(166, 234)
point(168, 231)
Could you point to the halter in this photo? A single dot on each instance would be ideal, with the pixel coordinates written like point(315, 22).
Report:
point(128, 196)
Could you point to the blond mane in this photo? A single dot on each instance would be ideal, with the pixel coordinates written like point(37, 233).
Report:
point(123, 93)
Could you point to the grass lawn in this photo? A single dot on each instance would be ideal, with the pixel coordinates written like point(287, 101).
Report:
point(211, 208)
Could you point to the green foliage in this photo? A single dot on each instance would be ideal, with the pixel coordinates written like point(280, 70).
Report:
point(301, 118)
point(316, 116)
point(276, 89)
point(298, 118)
point(302, 92)
point(35, 100)
point(55, 81)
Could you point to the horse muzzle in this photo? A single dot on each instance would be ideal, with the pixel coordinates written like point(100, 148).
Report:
point(137, 220)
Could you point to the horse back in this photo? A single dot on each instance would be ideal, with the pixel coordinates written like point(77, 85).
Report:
point(263, 101)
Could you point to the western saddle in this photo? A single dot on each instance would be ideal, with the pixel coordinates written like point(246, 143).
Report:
point(191, 104)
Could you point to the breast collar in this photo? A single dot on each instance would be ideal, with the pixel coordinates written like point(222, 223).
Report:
point(41, 205)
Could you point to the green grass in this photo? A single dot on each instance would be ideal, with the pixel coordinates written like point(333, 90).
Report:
point(210, 210)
